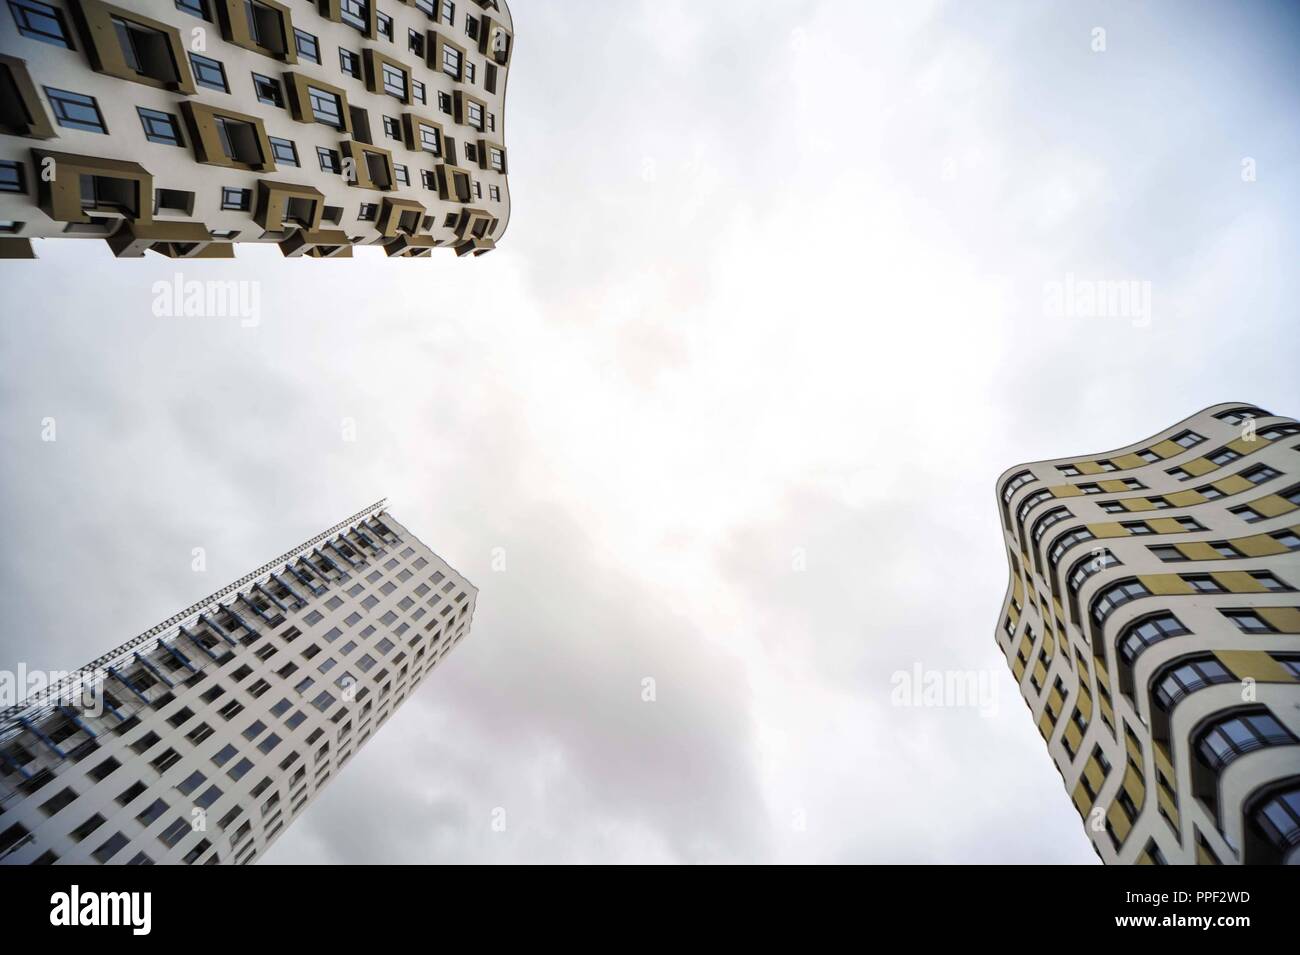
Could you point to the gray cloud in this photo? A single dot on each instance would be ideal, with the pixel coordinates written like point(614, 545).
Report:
point(742, 308)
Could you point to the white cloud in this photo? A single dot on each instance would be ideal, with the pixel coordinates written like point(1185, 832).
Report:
point(740, 310)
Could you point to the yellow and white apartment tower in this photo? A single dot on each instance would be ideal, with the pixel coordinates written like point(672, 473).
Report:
point(200, 740)
point(184, 126)
point(1153, 624)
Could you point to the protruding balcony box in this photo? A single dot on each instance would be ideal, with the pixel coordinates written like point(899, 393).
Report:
point(475, 246)
point(319, 244)
point(453, 183)
point(120, 187)
point(374, 61)
point(296, 88)
point(460, 106)
point(332, 10)
point(372, 165)
point(411, 123)
point(485, 148)
point(400, 217)
point(251, 149)
point(474, 229)
point(176, 240)
point(434, 44)
point(16, 248)
point(274, 27)
point(159, 54)
point(475, 224)
point(411, 246)
point(495, 41)
point(288, 205)
point(21, 111)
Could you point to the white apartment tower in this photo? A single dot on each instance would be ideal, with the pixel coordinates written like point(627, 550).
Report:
point(181, 127)
point(200, 740)
point(1152, 622)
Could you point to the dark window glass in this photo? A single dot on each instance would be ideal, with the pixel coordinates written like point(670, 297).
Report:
point(268, 90)
point(40, 21)
point(308, 46)
point(160, 127)
point(209, 72)
point(284, 151)
point(76, 111)
point(12, 178)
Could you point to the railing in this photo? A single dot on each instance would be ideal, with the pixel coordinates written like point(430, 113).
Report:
point(71, 686)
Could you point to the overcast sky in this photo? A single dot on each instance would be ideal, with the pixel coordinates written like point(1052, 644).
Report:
point(771, 315)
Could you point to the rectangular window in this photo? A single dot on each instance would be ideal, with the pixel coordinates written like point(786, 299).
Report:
point(174, 833)
point(239, 200)
point(402, 173)
point(475, 114)
point(329, 159)
point(1247, 513)
point(268, 90)
point(209, 72)
point(415, 42)
point(40, 21)
point(308, 46)
point(198, 8)
point(147, 51)
point(114, 845)
point(239, 140)
point(56, 802)
point(417, 91)
point(1259, 474)
point(429, 140)
point(451, 62)
point(394, 81)
point(384, 25)
point(12, 178)
point(326, 107)
point(265, 27)
point(494, 193)
point(87, 827)
point(284, 151)
point(350, 63)
point(355, 13)
point(151, 812)
point(160, 127)
point(191, 782)
point(76, 111)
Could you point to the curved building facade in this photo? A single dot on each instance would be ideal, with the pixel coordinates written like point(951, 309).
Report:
point(182, 127)
point(1152, 622)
